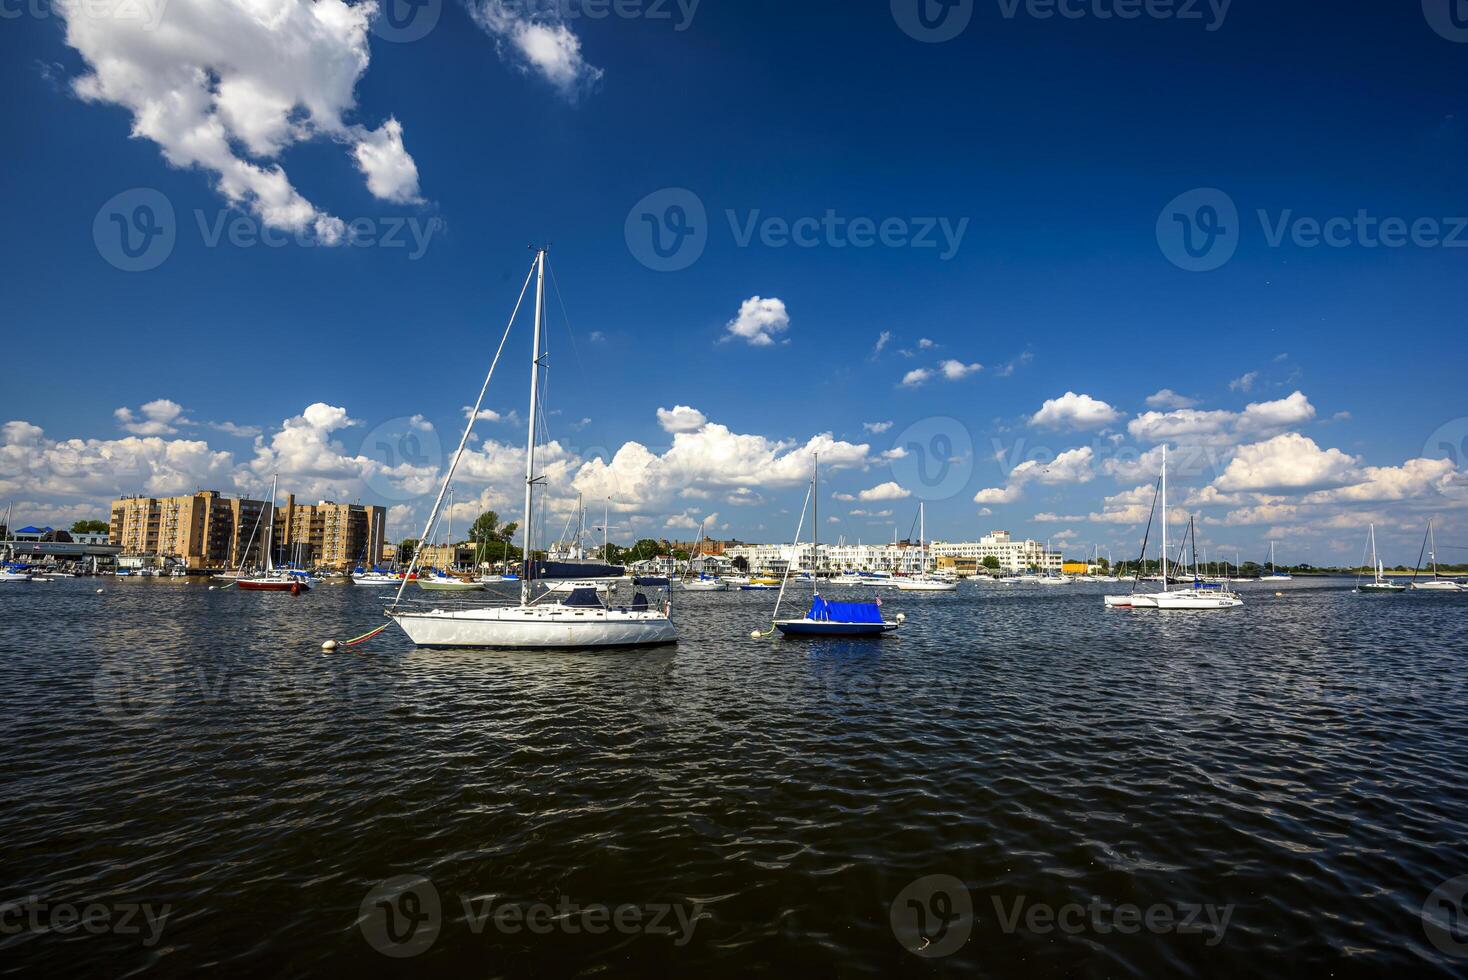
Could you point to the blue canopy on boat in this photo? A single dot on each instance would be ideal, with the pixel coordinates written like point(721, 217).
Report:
point(823, 611)
point(582, 599)
point(570, 569)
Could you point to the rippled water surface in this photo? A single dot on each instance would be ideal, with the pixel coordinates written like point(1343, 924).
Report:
point(1297, 769)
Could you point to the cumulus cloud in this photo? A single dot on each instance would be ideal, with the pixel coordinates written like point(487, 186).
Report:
point(536, 39)
point(916, 377)
point(159, 417)
point(1197, 427)
point(876, 428)
point(681, 418)
point(1074, 412)
point(759, 321)
point(957, 370)
point(883, 491)
point(1169, 399)
point(228, 85)
point(1289, 461)
point(712, 458)
point(1070, 467)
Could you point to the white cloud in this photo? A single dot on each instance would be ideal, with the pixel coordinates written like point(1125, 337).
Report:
point(884, 491)
point(228, 86)
point(490, 415)
point(1244, 383)
point(985, 512)
point(1196, 427)
point(1413, 479)
point(925, 344)
point(1281, 414)
point(538, 41)
point(957, 370)
point(239, 431)
point(916, 377)
point(883, 339)
point(876, 428)
point(712, 458)
point(1169, 399)
point(391, 173)
point(1073, 411)
point(1070, 467)
point(159, 417)
point(759, 321)
point(1289, 461)
point(681, 418)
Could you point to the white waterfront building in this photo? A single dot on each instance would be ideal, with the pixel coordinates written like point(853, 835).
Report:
point(1013, 556)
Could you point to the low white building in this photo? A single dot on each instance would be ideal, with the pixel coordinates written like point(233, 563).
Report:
point(1013, 556)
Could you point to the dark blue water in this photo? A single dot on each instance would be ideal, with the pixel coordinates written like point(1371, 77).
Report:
point(1019, 782)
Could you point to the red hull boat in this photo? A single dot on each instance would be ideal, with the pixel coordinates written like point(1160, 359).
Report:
point(272, 585)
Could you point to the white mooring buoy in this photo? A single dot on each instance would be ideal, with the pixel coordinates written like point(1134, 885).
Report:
point(328, 646)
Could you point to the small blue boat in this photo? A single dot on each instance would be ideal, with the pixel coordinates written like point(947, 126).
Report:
point(827, 618)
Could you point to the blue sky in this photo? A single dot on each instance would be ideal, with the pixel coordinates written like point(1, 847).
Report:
point(1058, 153)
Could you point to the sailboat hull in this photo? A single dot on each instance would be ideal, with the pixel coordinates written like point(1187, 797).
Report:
point(1438, 586)
point(547, 627)
point(1383, 588)
point(811, 627)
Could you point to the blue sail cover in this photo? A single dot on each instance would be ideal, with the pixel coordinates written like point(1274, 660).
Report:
point(583, 599)
point(575, 569)
point(823, 611)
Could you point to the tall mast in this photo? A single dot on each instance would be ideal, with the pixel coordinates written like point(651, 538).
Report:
point(270, 529)
point(530, 434)
point(1164, 517)
point(815, 522)
point(1432, 548)
point(922, 539)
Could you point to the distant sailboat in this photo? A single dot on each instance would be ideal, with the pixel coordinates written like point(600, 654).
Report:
point(272, 580)
point(922, 581)
point(1379, 582)
point(1434, 584)
point(1274, 573)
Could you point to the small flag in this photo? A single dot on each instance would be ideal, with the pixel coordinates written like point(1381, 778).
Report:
point(879, 602)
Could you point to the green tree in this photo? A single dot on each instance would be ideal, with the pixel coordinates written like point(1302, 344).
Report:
point(407, 548)
point(680, 554)
point(486, 527)
point(90, 527)
point(614, 554)
point(644, 549)
point(991, 563)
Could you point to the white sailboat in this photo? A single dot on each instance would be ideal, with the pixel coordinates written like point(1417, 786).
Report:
point(11, 573)
point(923, 581)
point(579, 621)
point(1201, 595)
point(1274, 573)
point(271, 579)
point(701, 582)
point(1433, 584)
point(1379, 582)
